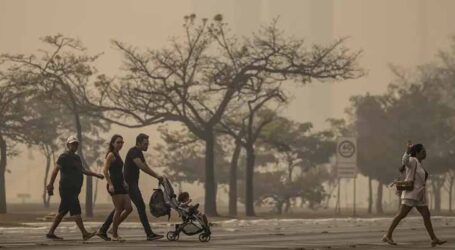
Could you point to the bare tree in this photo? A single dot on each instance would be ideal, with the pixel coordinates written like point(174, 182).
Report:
point(450, 181)
point(245, 128)
point(64, 74)
point(193, 82)
point(15, 122)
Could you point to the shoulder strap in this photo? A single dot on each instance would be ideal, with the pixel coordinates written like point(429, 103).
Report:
point(415, 171)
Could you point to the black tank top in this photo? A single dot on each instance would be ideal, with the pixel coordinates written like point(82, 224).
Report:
point(116, 170)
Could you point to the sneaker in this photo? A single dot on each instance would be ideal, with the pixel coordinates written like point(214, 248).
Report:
point(53, 237)
point(88, 236)
point(437, 242)
point(103, 236)
point(154, 236)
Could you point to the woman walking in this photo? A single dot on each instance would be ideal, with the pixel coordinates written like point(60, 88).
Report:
point(414, 171)
point(116, 185)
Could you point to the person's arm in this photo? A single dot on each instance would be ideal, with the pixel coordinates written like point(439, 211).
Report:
point(107, 165)
point(144, 167)
point(405, 159)
point(88, 172)
point(50, 186)
point(406, 155)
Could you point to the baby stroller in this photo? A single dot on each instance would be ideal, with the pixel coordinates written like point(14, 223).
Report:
point(192, 222)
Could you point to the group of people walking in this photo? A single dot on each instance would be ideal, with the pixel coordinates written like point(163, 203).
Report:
point(123, 176)
point(122, 184)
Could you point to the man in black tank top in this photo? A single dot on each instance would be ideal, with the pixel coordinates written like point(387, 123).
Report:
point(134, 162)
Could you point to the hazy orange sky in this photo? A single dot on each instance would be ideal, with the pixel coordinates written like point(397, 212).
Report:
point(402, 32)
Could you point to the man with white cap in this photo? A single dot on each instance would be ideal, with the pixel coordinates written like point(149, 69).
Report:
point(71, 170)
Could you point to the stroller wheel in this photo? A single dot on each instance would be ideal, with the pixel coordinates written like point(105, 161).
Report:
point(172, 236)
point(204, 237)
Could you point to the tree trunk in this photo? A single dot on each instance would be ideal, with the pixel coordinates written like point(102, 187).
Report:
point(249, 182)
point(3, 162)
point(451, 182)
point(210, 182)
point(379, 208)
point(233, 180)
point(287, 205)
point(89, 183)
point(95, 193)
point(180, 187)
point(370, 196)
point(436, 184)
point(46, 175)
point(279, 207)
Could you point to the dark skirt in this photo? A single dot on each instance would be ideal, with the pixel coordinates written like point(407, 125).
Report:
point(119, 188)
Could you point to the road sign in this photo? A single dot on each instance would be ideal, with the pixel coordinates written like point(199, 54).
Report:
point(347, 164)
point(346, 157)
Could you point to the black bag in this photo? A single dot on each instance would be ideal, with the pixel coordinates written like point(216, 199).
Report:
point(158, 206)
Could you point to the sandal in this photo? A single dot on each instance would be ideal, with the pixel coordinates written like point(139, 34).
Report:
point(103, 236)
point(88, 236)
point(118, 238)
point(53, 237)
point(388, 240)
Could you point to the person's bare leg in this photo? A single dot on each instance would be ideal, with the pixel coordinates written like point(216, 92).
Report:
point(425, 212)
point(80, 224)
point(58, 218)
point(404, 210)
point(118, 204)
point(127, 208)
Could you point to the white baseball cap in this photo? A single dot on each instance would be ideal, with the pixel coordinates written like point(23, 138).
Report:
point(71, 139)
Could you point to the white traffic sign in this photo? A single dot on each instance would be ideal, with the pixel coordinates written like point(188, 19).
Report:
point(346, 157)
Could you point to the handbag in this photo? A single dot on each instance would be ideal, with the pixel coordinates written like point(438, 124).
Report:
point(406, 185)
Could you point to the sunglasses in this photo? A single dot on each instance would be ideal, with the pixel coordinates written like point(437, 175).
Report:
point(120, 142)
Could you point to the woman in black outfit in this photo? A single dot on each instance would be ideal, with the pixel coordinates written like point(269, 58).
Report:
point(116, 185)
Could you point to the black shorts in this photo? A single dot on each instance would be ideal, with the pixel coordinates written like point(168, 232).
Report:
point(118, 189)
point(69, 201)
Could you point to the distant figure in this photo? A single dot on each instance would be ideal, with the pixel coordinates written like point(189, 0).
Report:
point(134, 162)
point(71, 178)
point(116, 186)
point(412, 160)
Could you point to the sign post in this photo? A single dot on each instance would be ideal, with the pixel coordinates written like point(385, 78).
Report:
point(347, 162)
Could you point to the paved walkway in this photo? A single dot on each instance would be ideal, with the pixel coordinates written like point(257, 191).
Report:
point(247, 234)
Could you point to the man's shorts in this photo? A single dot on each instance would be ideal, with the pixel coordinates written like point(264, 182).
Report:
point(70, 201)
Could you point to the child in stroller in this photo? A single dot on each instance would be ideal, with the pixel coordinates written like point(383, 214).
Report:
point(193, 221)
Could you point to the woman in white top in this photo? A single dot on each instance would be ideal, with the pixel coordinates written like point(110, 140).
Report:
point(412, 162)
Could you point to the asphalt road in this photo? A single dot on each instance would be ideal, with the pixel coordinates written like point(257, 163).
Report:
point(247, 234)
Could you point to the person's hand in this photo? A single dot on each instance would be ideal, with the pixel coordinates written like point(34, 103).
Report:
point(50, 188)
point(100, 176)
point(111, 188)
point(408, 146)
point(161, 178)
